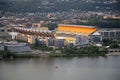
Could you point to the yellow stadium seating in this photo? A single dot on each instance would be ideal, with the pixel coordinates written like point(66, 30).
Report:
point(76, 29)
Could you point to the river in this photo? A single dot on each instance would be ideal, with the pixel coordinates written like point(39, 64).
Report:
point(82, 68)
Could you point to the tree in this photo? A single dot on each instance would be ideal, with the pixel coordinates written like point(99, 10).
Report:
point(6, 54)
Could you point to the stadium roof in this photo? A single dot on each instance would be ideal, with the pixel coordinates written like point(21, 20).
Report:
point(79, 29)
point(43, 33)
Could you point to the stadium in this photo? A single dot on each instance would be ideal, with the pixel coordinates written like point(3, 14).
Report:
point(64, 35)
point(76, 34)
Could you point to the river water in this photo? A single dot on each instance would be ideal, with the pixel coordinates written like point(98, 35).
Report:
point(83, 68)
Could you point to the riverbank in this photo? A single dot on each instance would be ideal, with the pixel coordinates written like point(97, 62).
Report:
point(66, 52)
point(73, 55)
point(113, 54)
point(39, 55)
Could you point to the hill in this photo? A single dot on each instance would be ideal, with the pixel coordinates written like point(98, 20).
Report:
point(58, 5)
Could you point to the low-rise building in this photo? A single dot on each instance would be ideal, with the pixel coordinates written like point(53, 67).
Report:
point(14, 47)
point(109, 33)
point(96, 38)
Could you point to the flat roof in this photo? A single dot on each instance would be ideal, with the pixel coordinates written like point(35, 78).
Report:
point(109, 29)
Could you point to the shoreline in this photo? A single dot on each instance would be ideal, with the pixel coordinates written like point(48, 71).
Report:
point(113, 54)
point(42, 55)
